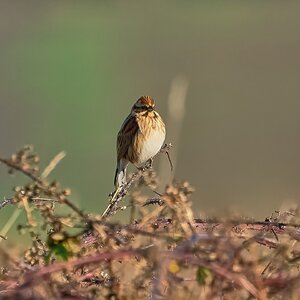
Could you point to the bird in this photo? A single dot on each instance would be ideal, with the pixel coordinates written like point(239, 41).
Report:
point(140, 138)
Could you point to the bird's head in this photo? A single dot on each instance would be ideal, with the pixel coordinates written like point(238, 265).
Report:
point(144, 105)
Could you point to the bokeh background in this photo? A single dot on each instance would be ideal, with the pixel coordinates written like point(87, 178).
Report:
point(71, 70)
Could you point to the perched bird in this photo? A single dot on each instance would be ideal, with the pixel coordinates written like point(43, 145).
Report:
point(141, 136)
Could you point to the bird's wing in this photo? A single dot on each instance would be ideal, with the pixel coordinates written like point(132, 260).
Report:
point(126, 138)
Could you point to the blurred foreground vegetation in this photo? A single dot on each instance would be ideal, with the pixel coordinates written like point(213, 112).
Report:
point(162, 253)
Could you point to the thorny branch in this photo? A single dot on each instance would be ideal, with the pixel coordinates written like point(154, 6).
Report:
point(242, 230)
point(130, 253)
point(86, 260)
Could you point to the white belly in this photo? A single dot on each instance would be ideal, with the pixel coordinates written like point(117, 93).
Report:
point(151, 146)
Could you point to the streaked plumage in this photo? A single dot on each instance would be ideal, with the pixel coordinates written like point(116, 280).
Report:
point(141, 136)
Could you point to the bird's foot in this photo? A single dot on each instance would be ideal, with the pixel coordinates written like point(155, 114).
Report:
point(148, 165)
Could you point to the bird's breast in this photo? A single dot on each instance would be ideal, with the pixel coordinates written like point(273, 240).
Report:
point(151, 145)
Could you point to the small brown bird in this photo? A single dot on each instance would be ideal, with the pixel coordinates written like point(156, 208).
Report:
point(141, 136)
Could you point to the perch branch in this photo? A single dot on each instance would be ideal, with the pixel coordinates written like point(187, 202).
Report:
point(121, 192)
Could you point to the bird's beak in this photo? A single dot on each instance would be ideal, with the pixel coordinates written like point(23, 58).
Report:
point(150, 108)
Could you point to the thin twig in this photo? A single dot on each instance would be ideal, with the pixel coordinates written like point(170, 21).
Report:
point(43, 185)
point(170, 161)
point(53, 163)
point(42, 199)
point(28, 211)
point(3, 237)
point(29, 174)
point(11, 221)
point(75, 208)
point(6, 202)
point(156, 200)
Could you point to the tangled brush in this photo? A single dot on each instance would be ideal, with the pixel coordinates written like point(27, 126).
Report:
point(163, 252)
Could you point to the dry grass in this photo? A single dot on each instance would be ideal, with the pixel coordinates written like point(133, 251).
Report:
point(162, 253)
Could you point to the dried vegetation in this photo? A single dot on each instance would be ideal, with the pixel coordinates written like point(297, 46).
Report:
point(162, 253)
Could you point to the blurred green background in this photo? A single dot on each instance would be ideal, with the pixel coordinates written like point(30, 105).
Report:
point(70, 72)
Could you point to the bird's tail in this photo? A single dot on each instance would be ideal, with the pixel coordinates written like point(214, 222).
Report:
point(120, 175)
